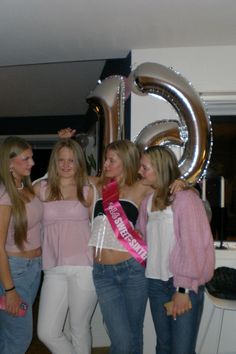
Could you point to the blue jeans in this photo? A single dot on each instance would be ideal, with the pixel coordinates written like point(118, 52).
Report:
point(122, 295)
point(16, 332)
point(174, 336)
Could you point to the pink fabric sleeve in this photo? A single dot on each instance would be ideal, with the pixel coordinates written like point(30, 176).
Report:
point(4, 197)
point(193, 258)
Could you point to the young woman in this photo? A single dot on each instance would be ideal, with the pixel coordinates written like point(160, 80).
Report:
point(68, 288)
point(119, 272)
point(180, 253)
point(118, 277)
point(20, 244)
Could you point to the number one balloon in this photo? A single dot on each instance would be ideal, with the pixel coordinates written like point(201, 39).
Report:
point(107, 101)
point(156, 79)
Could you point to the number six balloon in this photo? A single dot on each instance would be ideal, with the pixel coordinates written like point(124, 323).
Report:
point(195, 128)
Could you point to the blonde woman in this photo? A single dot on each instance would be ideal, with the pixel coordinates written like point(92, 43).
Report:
point(180, 257)
point(20, 244)
point(67, 287)
point(119, 253)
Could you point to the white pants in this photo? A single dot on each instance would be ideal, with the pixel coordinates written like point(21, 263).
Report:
point(67, 290)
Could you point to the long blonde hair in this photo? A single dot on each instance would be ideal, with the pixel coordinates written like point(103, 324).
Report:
point(165, 164)
point(11, 147)
point(81, 176)
point(129, 154)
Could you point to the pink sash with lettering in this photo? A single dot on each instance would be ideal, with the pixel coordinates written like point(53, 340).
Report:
point(120, 224)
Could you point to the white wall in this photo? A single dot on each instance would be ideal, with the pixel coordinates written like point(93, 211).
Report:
point(211, 71)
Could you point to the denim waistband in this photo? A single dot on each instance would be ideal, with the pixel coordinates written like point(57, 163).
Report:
point(124, 264)
point(23, 260)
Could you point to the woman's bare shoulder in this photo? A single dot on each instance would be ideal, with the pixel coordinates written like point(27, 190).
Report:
point(94, 180)
point(139, 191)
point(89, 195)
point(142, 189)
point(36, 188)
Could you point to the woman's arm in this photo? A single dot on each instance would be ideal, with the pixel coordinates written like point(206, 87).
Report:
point(13, 300)
point(178, 185)
point(192, 259)
point(90, 200)
point(142, 218)
point(36, 188)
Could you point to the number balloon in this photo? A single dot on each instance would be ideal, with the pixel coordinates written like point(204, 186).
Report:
point(192, 132)
point(163, 132)
point(195, 127)
point(108, 102)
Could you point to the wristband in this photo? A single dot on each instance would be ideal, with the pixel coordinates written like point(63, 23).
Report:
point(10, 289)
point(182, 290)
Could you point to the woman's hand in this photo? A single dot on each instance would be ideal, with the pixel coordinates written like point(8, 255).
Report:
point(178, 185)
point(13, 302)
point(66, 133)
point(181, 304)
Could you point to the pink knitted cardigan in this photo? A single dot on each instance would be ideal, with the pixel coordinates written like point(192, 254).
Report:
point(192, 261)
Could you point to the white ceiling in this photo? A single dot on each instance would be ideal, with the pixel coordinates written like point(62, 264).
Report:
point(42, 31)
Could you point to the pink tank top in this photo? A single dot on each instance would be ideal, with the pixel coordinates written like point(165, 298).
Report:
point(66, 230)
point(34, 212)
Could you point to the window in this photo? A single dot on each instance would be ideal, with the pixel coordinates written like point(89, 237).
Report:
point(223, 163)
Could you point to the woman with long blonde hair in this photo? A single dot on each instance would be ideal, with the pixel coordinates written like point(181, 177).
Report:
point(181, 253)
point(20, 245)
point(67, 291)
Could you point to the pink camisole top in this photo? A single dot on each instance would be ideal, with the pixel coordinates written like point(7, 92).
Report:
point(34, 213)
point(66, 232)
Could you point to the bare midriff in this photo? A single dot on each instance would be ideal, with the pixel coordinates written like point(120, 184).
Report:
point(27, 254)
point(108, 256)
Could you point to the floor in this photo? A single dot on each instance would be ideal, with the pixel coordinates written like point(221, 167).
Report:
point(37, 347)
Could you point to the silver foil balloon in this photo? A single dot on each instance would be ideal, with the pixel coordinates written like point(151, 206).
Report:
point(195, 126)
point(107, 101)
point(163, 132)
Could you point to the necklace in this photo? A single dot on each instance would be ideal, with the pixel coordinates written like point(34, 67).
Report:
point(21, 187)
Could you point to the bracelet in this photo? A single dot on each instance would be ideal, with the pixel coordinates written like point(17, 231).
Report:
point(182, 290)
point(10, 289)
